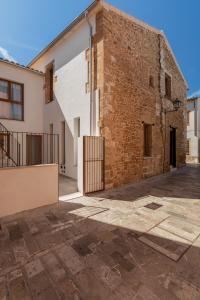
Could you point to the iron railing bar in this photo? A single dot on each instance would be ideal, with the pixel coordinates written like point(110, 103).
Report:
point(22, 149)
point(14, 151)
point(53, 150)
point(58, 150)
point(43, 149)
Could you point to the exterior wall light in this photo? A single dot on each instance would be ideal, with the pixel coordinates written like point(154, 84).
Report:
point(177, 104)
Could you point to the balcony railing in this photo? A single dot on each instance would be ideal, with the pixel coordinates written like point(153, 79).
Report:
point(27, 148)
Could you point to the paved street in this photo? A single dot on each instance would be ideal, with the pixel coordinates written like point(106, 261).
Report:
point(138, 242)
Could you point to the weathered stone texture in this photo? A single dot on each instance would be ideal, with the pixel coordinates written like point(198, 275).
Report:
point(140, 241)
point(128, 56)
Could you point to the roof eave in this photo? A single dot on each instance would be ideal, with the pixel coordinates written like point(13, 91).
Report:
point(82, 15)
point(174, 58)
point(26, 68)
point(152, 29)
point(66, 30)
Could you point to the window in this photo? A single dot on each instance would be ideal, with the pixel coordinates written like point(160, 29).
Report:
point(76, 136)
point(49, 97)
point(168, 86)
point(11, 100)
point(151, 81)
point(147, 140)
point(188, 147)
point(188, 118)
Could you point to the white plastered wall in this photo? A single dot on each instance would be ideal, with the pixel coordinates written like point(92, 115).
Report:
point(70, 77)
point(193, 130)
point(33, 98)
point(27, 188)
point(33, 103)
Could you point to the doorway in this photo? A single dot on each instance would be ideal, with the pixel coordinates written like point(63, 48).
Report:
point(33, 149)
point(173, 147)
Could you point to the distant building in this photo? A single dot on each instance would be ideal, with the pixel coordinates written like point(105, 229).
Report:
point(193, 130)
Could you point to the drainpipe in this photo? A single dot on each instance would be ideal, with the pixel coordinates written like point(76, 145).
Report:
point(91, 86)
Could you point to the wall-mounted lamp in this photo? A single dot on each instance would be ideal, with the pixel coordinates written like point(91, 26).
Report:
point(176, 105)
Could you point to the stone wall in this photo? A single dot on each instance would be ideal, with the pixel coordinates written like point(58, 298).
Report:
point(129, 54)
point(173, 119)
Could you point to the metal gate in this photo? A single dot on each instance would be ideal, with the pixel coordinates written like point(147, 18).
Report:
point(93, 163)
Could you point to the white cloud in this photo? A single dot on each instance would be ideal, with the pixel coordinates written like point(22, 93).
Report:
point(19, 45)
point(5, 54)
point(195, 94)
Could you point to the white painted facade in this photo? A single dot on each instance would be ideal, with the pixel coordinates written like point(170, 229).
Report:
point(33, 111)
point(71, 101)
point(33, 98)
point(193, 130)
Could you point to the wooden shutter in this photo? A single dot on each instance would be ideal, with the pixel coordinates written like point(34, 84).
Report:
point(49, 83)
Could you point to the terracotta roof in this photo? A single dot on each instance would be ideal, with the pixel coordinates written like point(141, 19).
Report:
point(20, 66)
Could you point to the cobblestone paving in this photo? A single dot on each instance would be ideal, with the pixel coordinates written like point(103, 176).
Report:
point(139, 242)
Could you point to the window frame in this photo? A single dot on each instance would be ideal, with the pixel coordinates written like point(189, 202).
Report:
point(147, 148)
point(77, 134)
point(168, 95)
point(49, 87)
point(9, 100)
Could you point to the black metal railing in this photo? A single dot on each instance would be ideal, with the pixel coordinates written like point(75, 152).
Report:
point(25, 148)
point(9, 147)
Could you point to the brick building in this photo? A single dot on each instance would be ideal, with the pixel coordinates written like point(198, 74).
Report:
point(106, 75)
point(139, 79)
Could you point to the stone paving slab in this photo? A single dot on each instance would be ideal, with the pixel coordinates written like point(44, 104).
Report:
point(138, 242)
point(3, 288)
point(17, 286)
point(86, 212)
point(181, 228)
point(71, 259)
point(165, 242)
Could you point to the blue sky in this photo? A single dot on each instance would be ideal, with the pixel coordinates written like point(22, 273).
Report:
point(28, 26)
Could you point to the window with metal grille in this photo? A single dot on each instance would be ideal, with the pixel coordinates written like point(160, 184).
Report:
point(147, 140)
